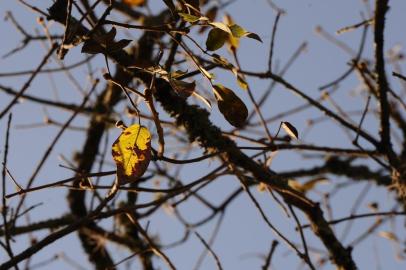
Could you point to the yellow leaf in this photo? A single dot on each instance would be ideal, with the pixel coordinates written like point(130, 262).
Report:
point(233, 42)
point(132, 153)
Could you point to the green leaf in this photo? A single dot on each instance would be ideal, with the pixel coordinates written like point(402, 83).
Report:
point(240, 32)
point(216, 39)
point(188, 17)
point(253, 36)
point(237, 31)
point(230, 105)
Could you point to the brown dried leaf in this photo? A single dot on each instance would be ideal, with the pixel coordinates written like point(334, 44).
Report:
point(230, 105)
point(92, 47)
point(183, 89)
point(119, 45)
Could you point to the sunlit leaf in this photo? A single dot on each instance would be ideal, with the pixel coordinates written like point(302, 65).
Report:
point(237, 31)
point(233, 42)
point(290, 130)
point(202, 98)
point(241, 82)
point(230, 105)
point(189, 17)
point(389, 235)
point(307, 186)
point(296, 185)
point(155, 70)
point(216, 39)
point(177, 73)
point(132, 153)
point(221, 26)
point(135, 2)
point(206, 73)
point(240, 32)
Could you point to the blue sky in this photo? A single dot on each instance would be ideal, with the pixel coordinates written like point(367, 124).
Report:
point(243, 236)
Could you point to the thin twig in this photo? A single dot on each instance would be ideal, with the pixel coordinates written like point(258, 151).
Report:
point(207, 246)
point(27, 253)
point(152, 245)
point(53, 143)
point(58, 183)
point(351, 217)
point(399, 75)
point(155, 115)
point(211, 240)
point(66, 36)
point(275, 26)
point(28, 83)
point(240, 177)
point(268, 259)
point(302, 237)
point(355, 26)
point(4, 208)
point(355, 61)
point(362, 119)
point(256, 107)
